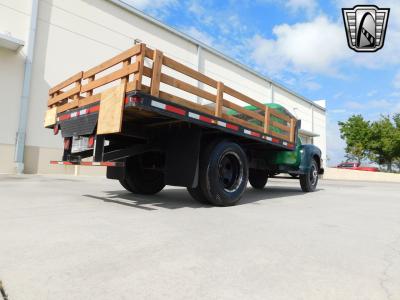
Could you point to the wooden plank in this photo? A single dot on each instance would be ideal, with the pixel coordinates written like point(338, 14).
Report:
point(131, 86)
point(279, 115)
point(267, 118)
point(89, 100)
point(156, 75)
point(186, 103)
point(292, 130)
point(244, 98)
point(111, 77)
point(140, 61)
point(67, 106)
point(244, 111)
point(65, 83)
point(112, 62)
point(64, 95)
point(149, 53)
point(220, 99)
point(189, 72)
point(111, 110)
point(51, 117)
point(281, 136)
point(280, 126)
point(207, 110)
point(179, 84)
point(243, 123)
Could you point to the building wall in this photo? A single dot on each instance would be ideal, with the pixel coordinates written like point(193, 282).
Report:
point(75, 35)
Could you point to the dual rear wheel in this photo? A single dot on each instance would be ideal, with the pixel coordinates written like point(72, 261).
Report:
point(223, 174)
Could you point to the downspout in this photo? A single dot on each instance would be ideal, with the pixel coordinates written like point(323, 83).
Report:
point(26, 86)
point(199, 69)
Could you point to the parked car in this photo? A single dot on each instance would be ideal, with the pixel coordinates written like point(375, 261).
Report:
point(356, 166)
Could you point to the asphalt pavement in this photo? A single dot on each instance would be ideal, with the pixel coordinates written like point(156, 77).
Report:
point(87, 238)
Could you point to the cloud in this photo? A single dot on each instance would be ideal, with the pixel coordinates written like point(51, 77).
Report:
point(297, 5)
point(199, 35)
point(156, 8)
point(315, 46)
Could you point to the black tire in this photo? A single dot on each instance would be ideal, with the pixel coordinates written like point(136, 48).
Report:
point(198, 195)
point(309, 181)
point(223, 173)
point(142, 181)
point(258, 178)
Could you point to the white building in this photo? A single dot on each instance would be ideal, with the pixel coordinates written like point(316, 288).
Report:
point(67, 36)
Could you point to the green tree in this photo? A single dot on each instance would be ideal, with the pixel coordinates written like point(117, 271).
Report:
point(385, 141)
point(357, 134)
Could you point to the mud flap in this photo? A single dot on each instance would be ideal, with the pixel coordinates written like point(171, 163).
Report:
point(182, 157)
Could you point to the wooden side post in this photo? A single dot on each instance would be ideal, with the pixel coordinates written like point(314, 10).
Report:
point(219, 99)
point(292, 130)
point(90, 79)
point(156, 74)
point(125, 79)
point(266, 120)
point(140, 60)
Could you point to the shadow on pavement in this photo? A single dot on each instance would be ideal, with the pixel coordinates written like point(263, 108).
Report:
point(179, 198)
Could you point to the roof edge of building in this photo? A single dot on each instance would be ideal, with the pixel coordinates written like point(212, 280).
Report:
point(196, 42)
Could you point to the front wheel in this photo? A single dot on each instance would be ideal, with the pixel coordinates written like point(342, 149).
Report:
point(309, 181)
point(223, 173)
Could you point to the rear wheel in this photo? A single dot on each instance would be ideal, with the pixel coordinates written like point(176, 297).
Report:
point(309, 181)
point(223, 173)
point(258, 178)
point(198, 195)
point(139, 180)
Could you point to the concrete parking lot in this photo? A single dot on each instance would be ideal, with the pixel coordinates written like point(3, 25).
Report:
point(87, 238)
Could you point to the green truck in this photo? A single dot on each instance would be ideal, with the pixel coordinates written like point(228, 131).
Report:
point(118, 115)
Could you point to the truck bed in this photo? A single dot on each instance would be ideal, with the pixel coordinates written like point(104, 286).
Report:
point(113, 96)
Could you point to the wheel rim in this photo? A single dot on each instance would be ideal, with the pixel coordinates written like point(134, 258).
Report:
point(230, 171)
point(313, 175)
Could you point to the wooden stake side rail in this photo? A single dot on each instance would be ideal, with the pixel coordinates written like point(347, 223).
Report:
point(78, 90)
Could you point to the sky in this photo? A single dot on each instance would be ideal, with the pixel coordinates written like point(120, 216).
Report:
point(300, 44)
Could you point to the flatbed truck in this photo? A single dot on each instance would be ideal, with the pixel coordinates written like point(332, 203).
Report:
point(132, 114)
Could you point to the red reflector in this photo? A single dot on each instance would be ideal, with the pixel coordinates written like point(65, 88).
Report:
point(91, 141)
point(175, 110)
point(94, 109)
point(67, 143)
point(233, 127)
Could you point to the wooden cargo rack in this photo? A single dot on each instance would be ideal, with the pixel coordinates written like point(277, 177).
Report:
point(129, 69)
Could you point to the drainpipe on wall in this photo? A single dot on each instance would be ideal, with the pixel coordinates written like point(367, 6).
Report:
point(24, 103)
point(272, 96)
point(199, 69)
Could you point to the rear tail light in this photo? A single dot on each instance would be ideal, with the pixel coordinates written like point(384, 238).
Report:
point(136, 100)
point(91, 141)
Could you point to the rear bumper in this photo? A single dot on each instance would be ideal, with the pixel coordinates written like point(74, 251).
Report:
point(89, 163)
